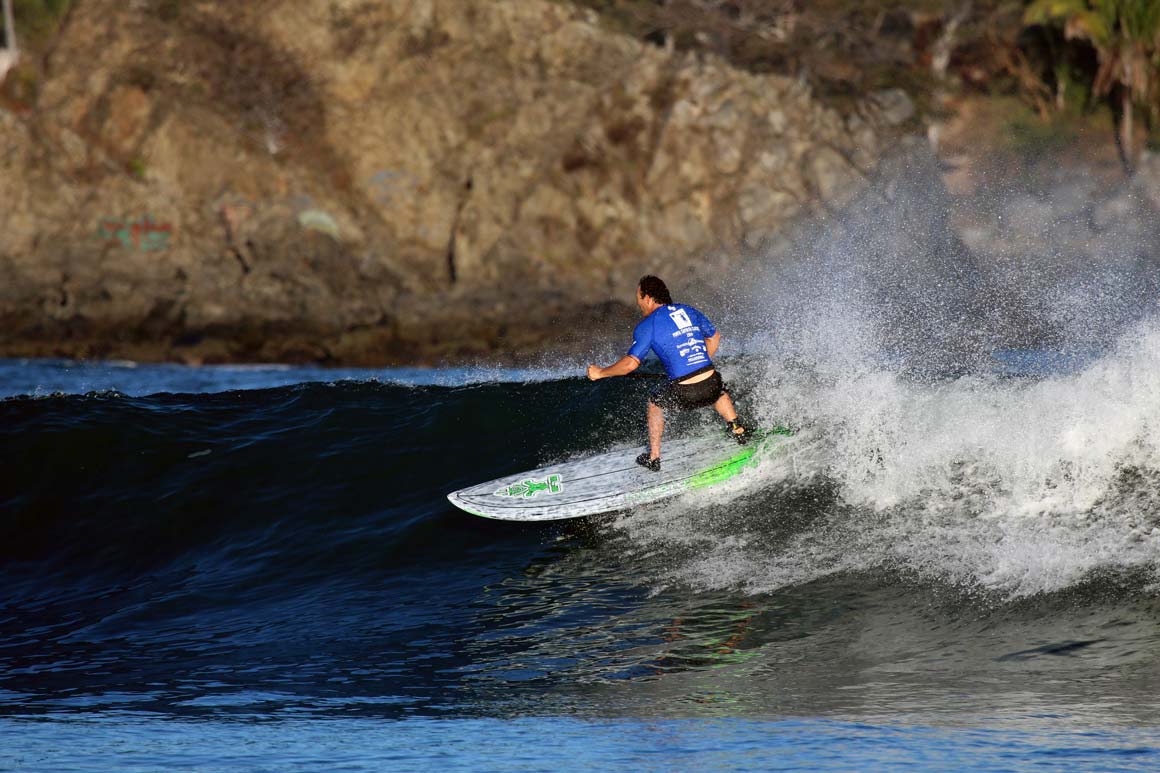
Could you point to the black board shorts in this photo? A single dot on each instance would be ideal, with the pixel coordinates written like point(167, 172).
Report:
point(673, 395)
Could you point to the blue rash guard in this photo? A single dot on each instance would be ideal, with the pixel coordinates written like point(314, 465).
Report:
point(677, 334)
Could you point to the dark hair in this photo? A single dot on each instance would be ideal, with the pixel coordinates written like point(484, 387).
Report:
point(654, 288)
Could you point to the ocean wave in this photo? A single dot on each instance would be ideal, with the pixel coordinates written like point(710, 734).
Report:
point(1014, 487)
point(981, 482)
point(47, 378)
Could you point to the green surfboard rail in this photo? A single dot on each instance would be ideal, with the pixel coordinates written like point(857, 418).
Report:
point(732, 466)
point(723, 471)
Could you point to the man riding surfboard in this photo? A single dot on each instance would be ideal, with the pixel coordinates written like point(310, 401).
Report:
point(685, 341)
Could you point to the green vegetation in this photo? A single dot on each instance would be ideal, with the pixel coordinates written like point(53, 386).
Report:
point(1030, 137)
point(137, 168)
point(37, 20)
point(1125, 35)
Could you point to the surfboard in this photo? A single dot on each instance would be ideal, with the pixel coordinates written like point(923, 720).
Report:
point(611, 481)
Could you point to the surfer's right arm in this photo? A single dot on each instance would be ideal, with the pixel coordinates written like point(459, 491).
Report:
point(642, 336)
point(622, 367)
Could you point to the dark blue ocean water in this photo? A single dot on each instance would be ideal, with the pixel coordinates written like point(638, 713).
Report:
point(257, 569)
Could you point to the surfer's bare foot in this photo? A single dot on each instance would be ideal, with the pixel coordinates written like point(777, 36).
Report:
point(740, 433)
point(652, 464)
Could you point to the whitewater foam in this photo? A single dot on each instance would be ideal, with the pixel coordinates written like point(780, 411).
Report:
point(1015, 486)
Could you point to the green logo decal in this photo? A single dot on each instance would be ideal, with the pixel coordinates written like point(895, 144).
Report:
point(530, 487)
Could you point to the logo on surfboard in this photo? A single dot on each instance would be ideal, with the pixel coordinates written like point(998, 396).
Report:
point(530, 487)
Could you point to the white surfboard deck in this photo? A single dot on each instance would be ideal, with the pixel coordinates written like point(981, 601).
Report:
point(611, 481)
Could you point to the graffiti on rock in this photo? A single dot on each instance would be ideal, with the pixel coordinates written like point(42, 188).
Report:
point(143, 233)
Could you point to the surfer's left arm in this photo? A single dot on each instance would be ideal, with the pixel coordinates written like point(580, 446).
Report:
point(622, 367)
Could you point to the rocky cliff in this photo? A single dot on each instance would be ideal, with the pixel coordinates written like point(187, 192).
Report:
point(397, 180)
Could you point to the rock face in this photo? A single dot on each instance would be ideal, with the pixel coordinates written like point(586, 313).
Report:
point(367, 182)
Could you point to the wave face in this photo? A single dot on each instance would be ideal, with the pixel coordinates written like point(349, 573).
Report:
point(297, 535)
point(289, 550)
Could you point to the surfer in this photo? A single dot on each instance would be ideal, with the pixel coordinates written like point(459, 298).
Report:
point(685, 341)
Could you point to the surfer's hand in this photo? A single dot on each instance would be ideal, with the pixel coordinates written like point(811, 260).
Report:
point(593, 372)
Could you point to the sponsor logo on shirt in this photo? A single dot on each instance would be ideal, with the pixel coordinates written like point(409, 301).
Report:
point(680, 318)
